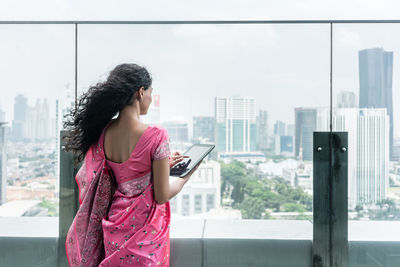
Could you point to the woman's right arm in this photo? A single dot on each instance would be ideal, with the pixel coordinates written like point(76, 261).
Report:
point(163, 190)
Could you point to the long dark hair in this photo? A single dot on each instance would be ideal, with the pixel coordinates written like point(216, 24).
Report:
point(100, 104)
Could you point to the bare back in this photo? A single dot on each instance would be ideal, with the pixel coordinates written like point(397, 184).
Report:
point(120, 140)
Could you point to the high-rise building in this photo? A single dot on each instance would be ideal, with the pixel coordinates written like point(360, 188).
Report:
point(376, 75)
point(20, 113)
point(346, 99)
point(3, 163)
point(368, 151)
point(284, 145)
point(305, 125)
point(153, 113)
point(203, 128)
point(290, 130)
point(178, 130)
point(279, 128)
point(202, 193)
point(262, 130)
point(235, 124)
point(37, 126)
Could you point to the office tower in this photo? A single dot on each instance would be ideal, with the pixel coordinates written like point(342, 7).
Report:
point(262, 130)
point(284, 145)
point(368, 151)
point(153, 114)
point(20, 112)
point(3, 163)
point(235, 124)
point(203, 128)
point(290, 130)
point(346, 99)
point(37, 126)
point(178, 130)
point(202, 193)
point(279, 128)
point(375, 73)
point(373, 155)
point(305, 125)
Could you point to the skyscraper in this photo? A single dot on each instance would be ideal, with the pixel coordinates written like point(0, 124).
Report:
point(279, 128)
point(20, 112)
point(305, 125)
point(235, 124)
point(290, 130)
point(3, 163)
point(37, 126)
point(262, 130)
point(203, 128)
point(375, 73)
point(368, 151)
point(346, 99)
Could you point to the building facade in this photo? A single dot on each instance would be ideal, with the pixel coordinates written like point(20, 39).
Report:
point(20, 113)
point(262, 130)
point(346, 99)
point(284, 145)
point(203, 128)
point(368, 152)
point(376, 77)
point(279, 128)
point(305, 125)
point(235, 124)
point(178, 131)
point(201, 193)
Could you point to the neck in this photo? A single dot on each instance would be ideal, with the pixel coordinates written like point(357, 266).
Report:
point(130, 113)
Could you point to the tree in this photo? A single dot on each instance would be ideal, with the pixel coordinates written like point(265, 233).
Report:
point(252, 208)
point(293, 207)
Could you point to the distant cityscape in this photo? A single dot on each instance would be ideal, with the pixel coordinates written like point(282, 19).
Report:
point(279, 152)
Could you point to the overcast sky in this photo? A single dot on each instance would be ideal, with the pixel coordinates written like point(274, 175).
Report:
point(282, 66)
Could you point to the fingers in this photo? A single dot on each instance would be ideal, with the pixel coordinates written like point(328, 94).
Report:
point(177, 154)
point(176, 159)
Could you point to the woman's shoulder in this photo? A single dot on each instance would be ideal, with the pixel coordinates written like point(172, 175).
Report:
point(157, 129)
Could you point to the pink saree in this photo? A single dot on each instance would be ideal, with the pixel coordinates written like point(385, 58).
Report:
point(126, 227)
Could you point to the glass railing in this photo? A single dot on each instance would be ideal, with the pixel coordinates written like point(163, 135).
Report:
point(257, 91)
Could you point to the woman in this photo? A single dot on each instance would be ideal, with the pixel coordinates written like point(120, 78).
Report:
point(124, 188)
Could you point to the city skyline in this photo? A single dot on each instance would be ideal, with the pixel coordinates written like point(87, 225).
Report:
point(272, 71)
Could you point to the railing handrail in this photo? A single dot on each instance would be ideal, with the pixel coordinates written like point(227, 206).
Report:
point(365, 21)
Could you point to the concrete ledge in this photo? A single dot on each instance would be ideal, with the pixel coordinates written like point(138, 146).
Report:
point(32, 241)
point(28, 251)
point(257, 252)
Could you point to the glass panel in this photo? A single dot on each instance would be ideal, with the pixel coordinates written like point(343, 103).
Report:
point(366, 98)
point(247, 89)
point(37, 80)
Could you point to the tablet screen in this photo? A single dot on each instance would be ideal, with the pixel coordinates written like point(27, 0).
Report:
point(195, 153)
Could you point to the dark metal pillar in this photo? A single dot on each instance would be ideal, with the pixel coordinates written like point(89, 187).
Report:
point(69, 199)
point(330, 199)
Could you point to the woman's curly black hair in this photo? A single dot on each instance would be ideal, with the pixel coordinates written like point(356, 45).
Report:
point(100, 104)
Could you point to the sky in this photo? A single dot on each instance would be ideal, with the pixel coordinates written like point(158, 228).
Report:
point(282, 66)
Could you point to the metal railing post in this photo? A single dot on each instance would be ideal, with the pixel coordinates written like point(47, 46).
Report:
point(69, 199)
point(330, 199)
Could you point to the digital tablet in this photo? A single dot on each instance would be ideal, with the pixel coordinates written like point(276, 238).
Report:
point(196, 154)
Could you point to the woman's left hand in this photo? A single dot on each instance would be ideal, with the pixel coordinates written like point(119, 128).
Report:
point(175, 158)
